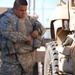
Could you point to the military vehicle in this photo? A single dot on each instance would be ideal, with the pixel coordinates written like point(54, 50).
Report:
point(59, 59)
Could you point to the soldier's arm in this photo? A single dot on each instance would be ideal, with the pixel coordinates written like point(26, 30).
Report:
point(67, 41)
point(38, 26)
point(6, 30)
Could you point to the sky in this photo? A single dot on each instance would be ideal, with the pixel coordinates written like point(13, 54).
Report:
point(6, 3)
point(9, 3)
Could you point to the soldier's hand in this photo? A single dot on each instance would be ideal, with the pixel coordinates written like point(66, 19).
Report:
point(29, 39)
point(35, 33)
point(67, 41)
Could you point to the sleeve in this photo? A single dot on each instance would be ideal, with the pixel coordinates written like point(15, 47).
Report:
point(6, 30)
point(67, 41)
point(38, 26)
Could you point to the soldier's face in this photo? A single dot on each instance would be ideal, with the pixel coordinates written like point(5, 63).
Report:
point(20, 11)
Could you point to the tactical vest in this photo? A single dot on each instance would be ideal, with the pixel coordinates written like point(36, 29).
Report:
point(21, 27)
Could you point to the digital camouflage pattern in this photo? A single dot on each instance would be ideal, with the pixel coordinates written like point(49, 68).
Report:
point(16, 52)
point(69, 44)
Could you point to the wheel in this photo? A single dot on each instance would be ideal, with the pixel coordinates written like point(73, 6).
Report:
point(51, 59)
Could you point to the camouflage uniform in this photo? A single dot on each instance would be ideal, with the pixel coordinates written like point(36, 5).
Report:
point(16, 52)
point(69, 49)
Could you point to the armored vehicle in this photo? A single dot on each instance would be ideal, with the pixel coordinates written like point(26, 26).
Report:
point(60, 53)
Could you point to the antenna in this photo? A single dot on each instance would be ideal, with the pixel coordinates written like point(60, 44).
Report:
point(34, 15)
point(34, 6)
point(29, 2)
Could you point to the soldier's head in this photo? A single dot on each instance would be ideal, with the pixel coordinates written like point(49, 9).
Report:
point(20, 8)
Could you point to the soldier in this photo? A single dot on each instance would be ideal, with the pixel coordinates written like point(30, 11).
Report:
point(69, 48)
point(19, 34)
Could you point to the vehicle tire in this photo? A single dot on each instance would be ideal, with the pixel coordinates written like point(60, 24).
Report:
point(51, 59)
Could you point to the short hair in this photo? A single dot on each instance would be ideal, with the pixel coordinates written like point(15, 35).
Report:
point(20, 2)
